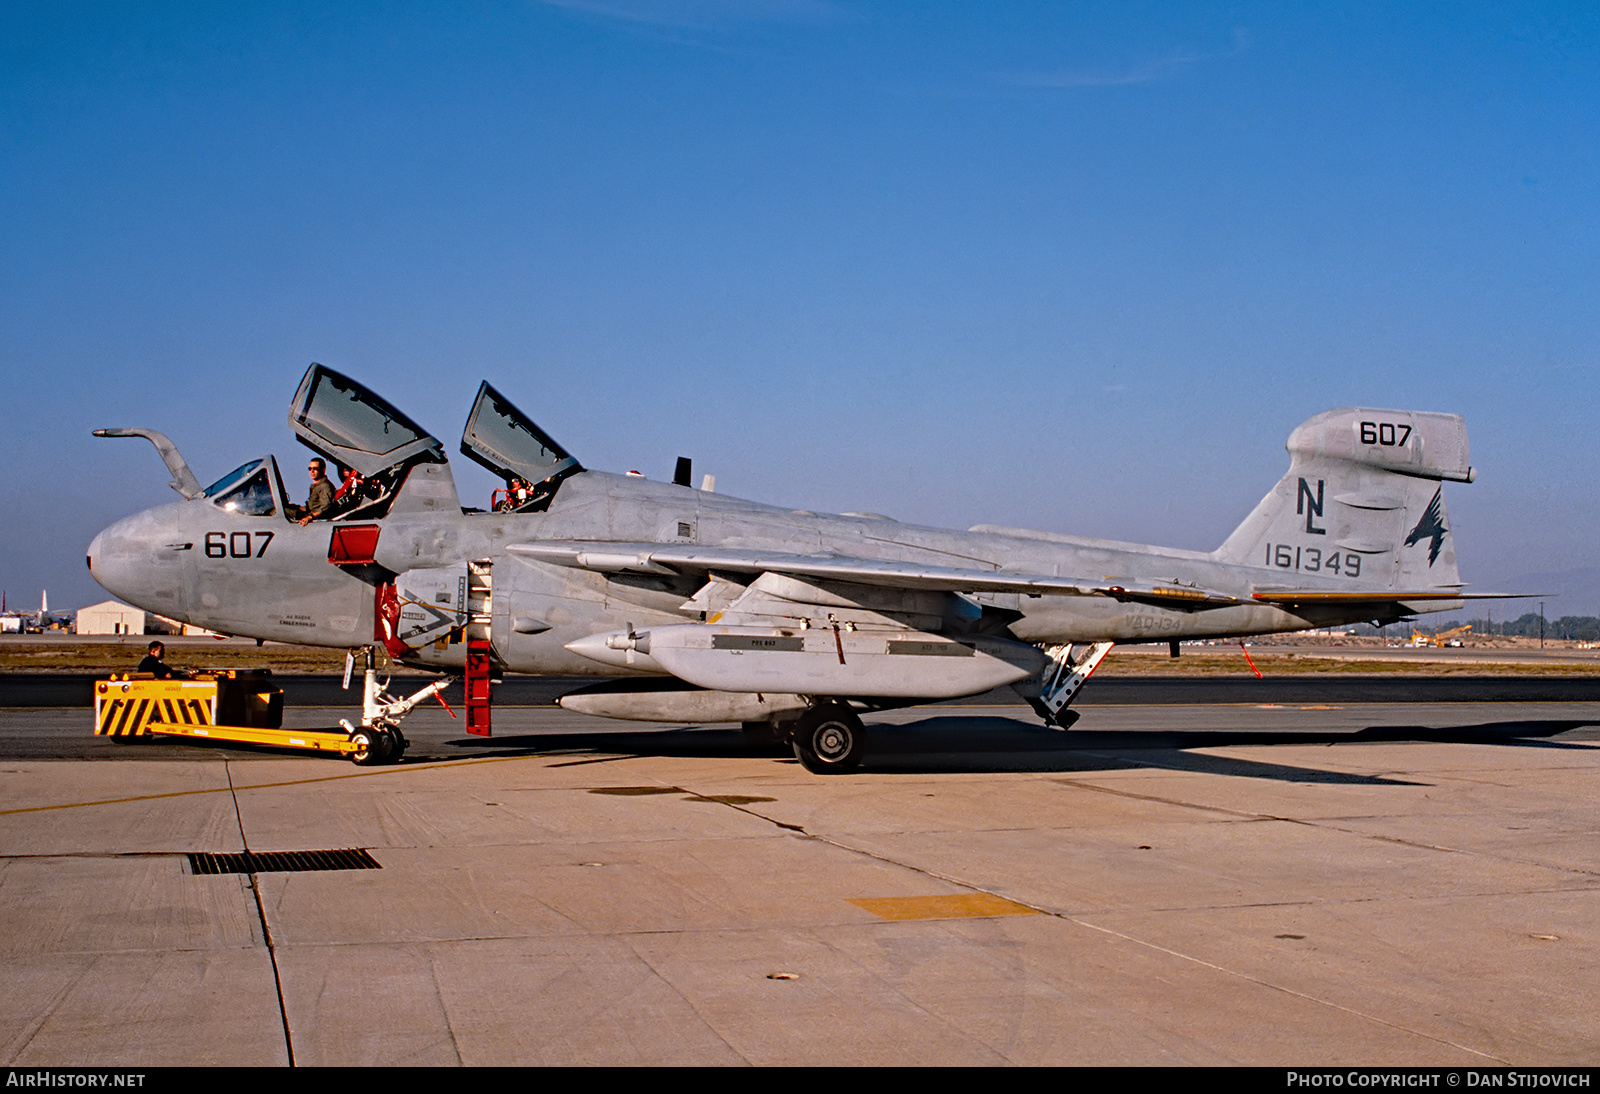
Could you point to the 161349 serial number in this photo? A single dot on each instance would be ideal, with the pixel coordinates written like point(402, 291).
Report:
point(1313, 560)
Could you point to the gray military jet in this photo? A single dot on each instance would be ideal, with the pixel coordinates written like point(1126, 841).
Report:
point(714, 609)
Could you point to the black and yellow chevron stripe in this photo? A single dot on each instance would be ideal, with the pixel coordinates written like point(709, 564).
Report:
point(130, 716)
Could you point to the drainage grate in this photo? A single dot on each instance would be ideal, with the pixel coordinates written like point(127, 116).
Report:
point(271, 862)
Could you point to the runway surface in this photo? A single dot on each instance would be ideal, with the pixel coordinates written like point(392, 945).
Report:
point(1309, 882)
point(77, 690)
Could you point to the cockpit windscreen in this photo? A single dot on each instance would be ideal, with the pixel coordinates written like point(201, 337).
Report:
point(244, 490)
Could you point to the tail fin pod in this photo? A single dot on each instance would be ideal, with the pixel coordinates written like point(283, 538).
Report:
point(1363, 500)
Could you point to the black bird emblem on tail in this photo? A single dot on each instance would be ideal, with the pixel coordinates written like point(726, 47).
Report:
point(1431, 524)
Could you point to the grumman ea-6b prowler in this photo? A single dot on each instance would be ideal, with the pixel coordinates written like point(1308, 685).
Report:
point(714, 609)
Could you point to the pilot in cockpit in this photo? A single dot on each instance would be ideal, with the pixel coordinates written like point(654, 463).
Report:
point(517, 494)
point(320, 500)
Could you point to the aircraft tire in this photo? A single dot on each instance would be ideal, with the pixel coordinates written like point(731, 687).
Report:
point(389, 747)
point(829, 739)
point(370, 748)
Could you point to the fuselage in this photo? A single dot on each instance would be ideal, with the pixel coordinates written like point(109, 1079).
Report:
point(264, 576)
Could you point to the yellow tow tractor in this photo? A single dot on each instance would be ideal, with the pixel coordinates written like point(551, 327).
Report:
point(243, 705)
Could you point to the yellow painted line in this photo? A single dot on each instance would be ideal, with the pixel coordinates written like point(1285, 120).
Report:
point(955, 906)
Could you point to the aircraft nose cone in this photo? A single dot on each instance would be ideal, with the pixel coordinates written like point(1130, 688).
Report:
point(108, 563)
point(112, 563)
point(133, 562)
point(96, 550)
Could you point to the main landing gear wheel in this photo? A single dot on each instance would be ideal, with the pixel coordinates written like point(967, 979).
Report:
point(829, 738)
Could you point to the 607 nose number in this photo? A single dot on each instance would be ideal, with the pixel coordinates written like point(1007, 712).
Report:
point(237, 544)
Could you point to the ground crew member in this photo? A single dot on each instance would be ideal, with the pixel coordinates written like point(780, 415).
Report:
point(152, 663)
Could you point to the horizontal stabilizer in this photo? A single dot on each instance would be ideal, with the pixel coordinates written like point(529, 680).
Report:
point(1376, 596)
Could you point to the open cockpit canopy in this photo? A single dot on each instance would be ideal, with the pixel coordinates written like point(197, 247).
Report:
point(507, 442)
point(359, 430)
point(356, 427)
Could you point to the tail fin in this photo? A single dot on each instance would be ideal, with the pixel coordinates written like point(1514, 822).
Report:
point(1364, 493)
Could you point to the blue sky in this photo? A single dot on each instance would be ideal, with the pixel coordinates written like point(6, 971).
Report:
point(1073, 267)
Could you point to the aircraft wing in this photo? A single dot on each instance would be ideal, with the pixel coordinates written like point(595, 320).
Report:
point(673, 560)
point(655, 558)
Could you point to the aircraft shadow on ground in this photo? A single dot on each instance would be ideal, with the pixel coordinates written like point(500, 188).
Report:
point(947, 744)
point(944, 744)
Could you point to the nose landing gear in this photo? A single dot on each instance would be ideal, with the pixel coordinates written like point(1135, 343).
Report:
point(378, 740)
